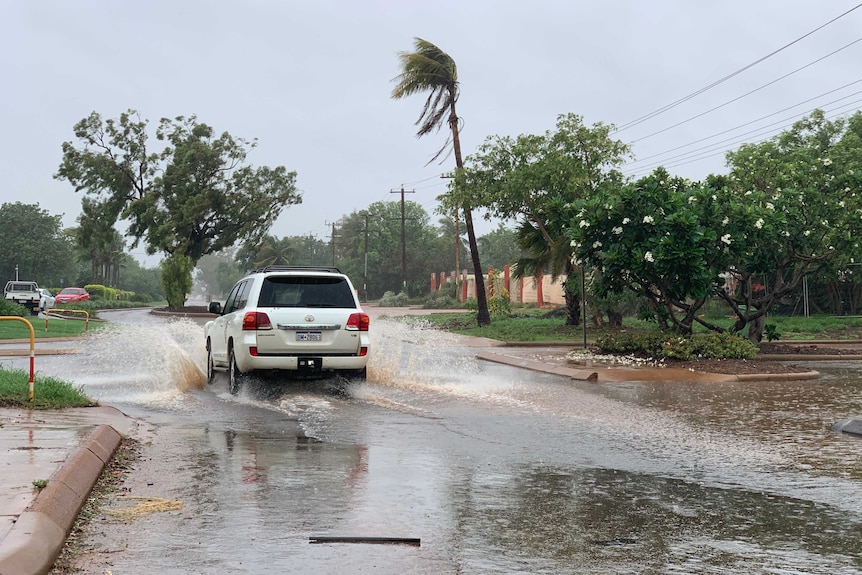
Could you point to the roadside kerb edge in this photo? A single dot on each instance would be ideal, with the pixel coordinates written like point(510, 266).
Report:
point(56, 507)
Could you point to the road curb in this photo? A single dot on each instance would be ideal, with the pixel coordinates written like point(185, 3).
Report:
point(579, 374)
point(35, 540)
point(605, 374)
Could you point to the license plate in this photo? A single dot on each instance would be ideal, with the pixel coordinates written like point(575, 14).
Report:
point(309, 336)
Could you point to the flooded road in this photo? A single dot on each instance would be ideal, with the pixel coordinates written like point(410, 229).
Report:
point(495, 469)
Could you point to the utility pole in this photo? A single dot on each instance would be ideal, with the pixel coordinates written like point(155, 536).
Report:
point(403, 237)
point(332, 240)
point(365, 272)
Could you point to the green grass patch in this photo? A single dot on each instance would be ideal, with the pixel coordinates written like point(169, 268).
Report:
point(48, 392)
point(536, 325)
point(526, 327)
point(57, 327)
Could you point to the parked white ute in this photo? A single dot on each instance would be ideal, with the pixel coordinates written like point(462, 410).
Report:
point(302, 320)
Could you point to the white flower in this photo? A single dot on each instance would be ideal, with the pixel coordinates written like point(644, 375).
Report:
point(648, 257)
point(748, 193)
point(584, 224)
point(759, 224)
point(827, 162)
point(714, 198)
point(725, 221)
point(597, 244)
point(770, 206)
point(726, 239)
point(574, 243)
point(806, 233)
point(841, 204)
point(691, 199)
point(617, 230)
point(785, 233)
point(648, 219)
point(625, 221)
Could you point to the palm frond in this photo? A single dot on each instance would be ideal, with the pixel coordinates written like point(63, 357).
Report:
point(428, 69)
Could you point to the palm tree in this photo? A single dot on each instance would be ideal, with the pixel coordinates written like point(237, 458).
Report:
point(274, 251)
point(430, 69)
point(554, 258)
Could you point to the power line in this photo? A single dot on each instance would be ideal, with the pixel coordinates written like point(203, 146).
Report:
point(740, 126)
point(748, 93)
point(684, 99)
point(723, 150)
point(421, 181)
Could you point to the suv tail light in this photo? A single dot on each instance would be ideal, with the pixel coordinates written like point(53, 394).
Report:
point(358, 322)
point(255, 320)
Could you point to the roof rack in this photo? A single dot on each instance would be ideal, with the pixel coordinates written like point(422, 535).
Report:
point(281, 268)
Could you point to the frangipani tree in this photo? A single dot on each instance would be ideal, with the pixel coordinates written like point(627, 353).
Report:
point(808, 183)
point(665, 238)
point(789, 207)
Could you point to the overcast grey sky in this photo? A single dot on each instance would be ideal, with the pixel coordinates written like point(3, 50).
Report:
point(312, 80)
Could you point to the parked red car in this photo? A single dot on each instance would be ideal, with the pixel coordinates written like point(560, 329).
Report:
point(71, 295)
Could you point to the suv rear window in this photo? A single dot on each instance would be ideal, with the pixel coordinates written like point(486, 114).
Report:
point(306, 291)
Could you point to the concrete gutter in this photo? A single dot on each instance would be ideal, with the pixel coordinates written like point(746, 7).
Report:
point(36, 538)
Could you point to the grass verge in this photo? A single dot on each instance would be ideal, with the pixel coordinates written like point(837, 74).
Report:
point(57, 327)
point(537, 326)
point(48, 392)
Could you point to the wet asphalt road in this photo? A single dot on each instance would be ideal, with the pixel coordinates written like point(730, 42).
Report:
point(495, 469)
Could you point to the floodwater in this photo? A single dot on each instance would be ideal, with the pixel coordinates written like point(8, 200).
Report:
point(495, 469)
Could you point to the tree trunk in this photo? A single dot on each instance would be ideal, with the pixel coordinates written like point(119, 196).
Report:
point(573, 302)
point(483, 316)
point(615, 318)
point(755, 329)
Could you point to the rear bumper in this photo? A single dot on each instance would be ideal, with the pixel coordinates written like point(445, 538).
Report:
point(247, 362)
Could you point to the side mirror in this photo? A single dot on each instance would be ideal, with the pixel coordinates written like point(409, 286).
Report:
point(215, 307)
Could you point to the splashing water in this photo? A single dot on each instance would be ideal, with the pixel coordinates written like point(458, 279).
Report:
point(152, 363)
point(417, 357)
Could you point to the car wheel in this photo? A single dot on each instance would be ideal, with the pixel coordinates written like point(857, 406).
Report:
point(235, 376)
point(210, 365)
point(360, 375)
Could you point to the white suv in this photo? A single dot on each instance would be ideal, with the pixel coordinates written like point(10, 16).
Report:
point(305, 320)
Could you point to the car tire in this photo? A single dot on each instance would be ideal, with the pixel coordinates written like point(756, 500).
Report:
point(235, 377)
point(210, 364)
point(360, 375)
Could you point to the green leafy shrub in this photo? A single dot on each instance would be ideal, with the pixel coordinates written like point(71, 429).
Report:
point(679, 347)
point(97, 291)
point(391, 299)
point(499, 304)
point(771, 332)
point(439, 302)
point(725, 345)
point(100, 292)
point(11, 308)
point(713, 345)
